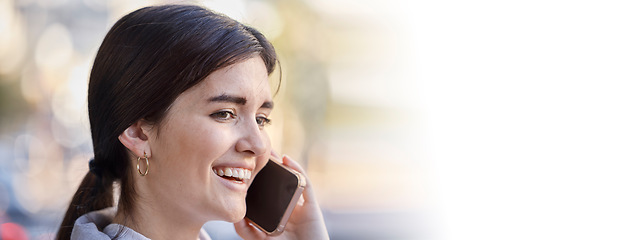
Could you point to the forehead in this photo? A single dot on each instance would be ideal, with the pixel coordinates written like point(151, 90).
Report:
point(247, 79)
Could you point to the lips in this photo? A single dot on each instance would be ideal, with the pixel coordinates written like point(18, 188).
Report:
point(232, 173)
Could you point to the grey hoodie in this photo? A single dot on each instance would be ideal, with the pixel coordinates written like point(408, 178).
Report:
point(98, 225)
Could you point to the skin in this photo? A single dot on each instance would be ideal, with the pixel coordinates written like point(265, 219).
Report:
point(220, 122)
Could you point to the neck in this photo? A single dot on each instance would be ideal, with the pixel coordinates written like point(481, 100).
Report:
point(158, 223)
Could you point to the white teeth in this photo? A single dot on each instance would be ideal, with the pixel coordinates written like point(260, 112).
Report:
point(239, 173)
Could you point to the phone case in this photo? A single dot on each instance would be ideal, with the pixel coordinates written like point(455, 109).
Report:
point(293, 202)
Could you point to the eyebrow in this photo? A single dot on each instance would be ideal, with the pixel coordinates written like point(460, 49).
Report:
point(238, 100)
point(227, 98)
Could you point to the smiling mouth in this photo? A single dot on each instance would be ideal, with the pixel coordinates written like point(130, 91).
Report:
point(234, 174)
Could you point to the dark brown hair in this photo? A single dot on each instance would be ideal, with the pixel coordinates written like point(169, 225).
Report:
point(147, 59)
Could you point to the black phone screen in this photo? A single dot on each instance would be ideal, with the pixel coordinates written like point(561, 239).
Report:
point(269, 195)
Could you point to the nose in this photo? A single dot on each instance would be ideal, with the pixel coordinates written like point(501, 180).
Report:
point(252, 140)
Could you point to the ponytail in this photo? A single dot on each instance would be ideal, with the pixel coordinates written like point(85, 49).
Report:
point(94, 193)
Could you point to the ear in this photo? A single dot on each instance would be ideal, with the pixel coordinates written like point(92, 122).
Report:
point(135, 138)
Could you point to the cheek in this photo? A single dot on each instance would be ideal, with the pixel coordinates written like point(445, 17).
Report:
point(193, 140)
point(261, 161)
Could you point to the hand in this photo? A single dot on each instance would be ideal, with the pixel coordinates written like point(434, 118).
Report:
point(306, 221)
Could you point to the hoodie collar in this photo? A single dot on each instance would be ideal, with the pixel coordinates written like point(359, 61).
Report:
point(98, 225)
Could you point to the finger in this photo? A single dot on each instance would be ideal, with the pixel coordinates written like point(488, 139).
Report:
point(292, 164)
point(247, 231)
point(301, 200)
point(308, 193)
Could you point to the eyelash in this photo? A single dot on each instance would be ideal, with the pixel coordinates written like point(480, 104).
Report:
point(226, 115)
point(221, 115)
point(263, 121)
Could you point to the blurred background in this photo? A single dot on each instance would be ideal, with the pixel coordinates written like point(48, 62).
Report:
point(414, 119)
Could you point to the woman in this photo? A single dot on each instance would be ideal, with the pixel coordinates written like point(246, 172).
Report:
point(176, 94)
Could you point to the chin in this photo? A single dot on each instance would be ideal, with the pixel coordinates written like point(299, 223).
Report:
point(235, 213)
point(236, 216)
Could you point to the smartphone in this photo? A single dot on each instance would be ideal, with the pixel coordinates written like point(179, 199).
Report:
point(272, 196)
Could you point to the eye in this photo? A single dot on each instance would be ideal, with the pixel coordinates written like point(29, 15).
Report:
point(262, 121)
point(223, 115)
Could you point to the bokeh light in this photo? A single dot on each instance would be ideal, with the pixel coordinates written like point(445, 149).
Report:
point(12, 231)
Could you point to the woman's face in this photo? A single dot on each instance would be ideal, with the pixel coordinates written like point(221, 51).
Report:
point(216, 127)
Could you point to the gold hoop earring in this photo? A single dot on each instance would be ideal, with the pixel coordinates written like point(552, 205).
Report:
point(138, 165)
